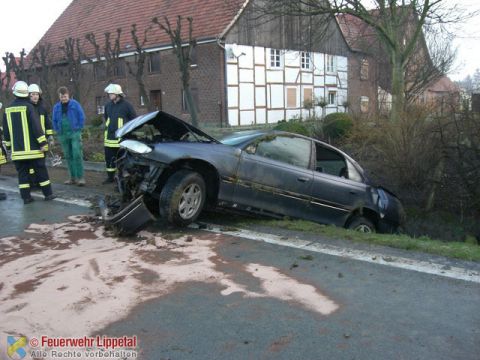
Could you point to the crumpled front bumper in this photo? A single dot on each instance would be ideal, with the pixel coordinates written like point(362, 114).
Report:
point(128, 220)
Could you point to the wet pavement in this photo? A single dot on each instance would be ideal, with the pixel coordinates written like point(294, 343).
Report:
point(193, 294)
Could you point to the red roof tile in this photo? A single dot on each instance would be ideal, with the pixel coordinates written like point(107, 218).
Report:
point(210, 18)
point(359, 35)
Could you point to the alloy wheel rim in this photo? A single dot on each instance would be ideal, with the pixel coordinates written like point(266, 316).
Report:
point(190, 201)
point(363, 228)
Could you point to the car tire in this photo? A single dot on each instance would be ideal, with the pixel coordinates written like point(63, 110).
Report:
point(361, 224)
point(182, 198)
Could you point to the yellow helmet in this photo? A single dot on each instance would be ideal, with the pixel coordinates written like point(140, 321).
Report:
point(20, 89)
point(34, 88)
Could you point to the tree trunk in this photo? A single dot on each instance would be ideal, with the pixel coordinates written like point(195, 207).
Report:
point(192, 108)
point(437, 178)
point(398, 87)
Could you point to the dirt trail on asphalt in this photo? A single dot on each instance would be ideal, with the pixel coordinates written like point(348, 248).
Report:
point(75, 278)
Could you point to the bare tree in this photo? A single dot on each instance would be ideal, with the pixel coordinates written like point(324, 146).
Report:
point(183, 51)
point(398, 25)
point(137, 69)
point(108, 55)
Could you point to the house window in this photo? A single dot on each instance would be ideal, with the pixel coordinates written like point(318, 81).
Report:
point(364, 69)
point(308, 98)
point(193, 57)
point(291, 97)
point(275, 59)
point(194, 92)
point(306, 60)
point(119, 69)
point(99, 105)
point(331, 63)
point(99, 72)
point(332, 98)
point(154, 62)
point(364, 104)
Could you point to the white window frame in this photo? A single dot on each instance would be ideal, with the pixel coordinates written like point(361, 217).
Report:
point(331, 63)
point(275, 59)
point(332, 98)
point(306, 60)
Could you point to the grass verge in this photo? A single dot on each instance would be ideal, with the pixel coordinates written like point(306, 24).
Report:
point(457, 250)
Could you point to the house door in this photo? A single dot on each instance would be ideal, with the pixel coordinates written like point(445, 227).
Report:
point(155, 100)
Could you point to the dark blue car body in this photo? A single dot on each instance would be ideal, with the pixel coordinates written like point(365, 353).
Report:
point(271, 173)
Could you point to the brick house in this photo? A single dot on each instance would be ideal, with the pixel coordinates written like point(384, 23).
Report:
point(246, 71)
point(369, 74)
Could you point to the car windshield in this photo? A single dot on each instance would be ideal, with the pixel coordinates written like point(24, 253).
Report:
point(239, 138)
point(154, 133)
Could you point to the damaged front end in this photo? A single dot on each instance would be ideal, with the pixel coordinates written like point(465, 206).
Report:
point(139, 168)
point(136, 181)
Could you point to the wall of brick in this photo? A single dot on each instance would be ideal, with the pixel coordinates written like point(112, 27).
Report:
point(358, 87)
point(207, 76)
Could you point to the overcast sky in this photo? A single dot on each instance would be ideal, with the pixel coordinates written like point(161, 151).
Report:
point(25, 21)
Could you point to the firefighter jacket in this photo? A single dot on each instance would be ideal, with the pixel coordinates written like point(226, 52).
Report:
point(116, 115)
point(3, 152)
point(23, 132)
point(45, 122)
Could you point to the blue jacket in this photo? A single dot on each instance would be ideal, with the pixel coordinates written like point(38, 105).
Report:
point(75, 116)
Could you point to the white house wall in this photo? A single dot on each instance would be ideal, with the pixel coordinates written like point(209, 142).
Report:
point(257, 93)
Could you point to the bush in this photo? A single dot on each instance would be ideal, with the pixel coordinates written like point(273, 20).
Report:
point(97, 157)
point(295, 127)
point(337, 125)
point(97, 121)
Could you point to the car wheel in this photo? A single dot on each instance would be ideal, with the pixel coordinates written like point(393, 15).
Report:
point(361, 224)
point(182, 198)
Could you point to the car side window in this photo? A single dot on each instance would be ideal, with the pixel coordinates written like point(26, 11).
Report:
point(288, 149)
point(330, 162)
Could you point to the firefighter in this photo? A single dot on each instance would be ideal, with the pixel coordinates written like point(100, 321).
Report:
point(3, 155)
point(118, 112)
point(27, 142)
point(35, 94)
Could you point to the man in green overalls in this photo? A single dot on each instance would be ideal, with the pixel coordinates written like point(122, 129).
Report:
point(68, 120)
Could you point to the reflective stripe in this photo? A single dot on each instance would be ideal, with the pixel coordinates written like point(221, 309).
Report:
point(8, 143)
point(112, 145)
point(41, 139)
point(111, 169)
point(31, 171)
point(45, 183)
point(27, 157)
point(49, 132)
point(106, 130)
point(26, 135)
point(120, 123)
point(24, 186)
point(42, 122)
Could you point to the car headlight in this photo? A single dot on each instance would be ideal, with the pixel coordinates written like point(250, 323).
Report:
point(136, 147)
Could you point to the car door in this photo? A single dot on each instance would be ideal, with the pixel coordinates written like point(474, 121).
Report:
point(337, 188)
point(274, 176)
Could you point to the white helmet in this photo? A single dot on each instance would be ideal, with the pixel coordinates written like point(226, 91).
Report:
point(20, 89)
point(34, 88)
point(114, 89)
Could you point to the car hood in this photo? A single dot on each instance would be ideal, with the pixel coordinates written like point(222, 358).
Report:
point(169, 125)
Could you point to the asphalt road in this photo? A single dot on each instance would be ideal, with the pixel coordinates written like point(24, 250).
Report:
point(201, 295)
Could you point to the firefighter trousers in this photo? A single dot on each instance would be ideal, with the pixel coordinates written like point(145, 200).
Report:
point(110, 158)
point(41, 176)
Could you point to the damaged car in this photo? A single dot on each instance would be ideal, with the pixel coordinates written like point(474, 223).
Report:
point(170, 168)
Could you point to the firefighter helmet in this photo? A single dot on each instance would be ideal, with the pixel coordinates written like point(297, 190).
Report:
point(34, 88)
point(20, 89)
point(114, 89)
